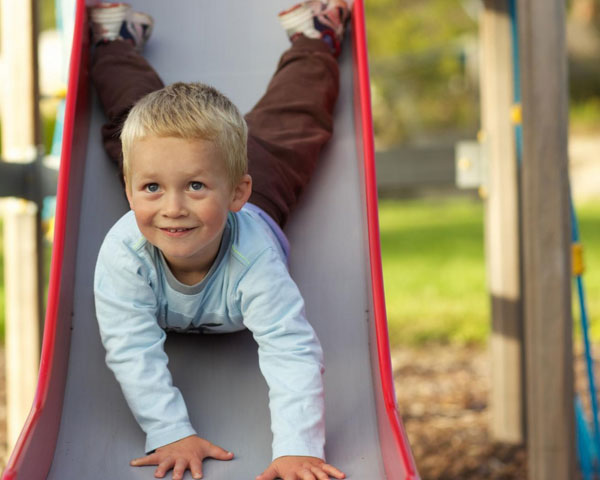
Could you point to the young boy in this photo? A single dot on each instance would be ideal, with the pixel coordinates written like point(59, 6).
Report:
point(202, 248)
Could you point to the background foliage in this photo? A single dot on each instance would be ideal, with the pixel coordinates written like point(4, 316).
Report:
point(423, 59)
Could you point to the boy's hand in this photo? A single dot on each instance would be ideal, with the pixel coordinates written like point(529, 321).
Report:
point(182, 455)
point(300, 468)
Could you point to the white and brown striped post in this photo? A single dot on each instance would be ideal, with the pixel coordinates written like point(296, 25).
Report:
point(20, 140)
point(502, 223)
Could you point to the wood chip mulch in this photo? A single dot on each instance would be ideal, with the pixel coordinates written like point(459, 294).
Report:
point(442, 394)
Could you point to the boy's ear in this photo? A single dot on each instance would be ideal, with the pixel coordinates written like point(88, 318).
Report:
point(241, 193)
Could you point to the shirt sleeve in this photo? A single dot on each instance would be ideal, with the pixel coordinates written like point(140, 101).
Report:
point(290, 356)
point(126, 309)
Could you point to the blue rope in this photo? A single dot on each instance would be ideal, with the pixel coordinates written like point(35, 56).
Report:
point(512, 8)
point(585, 451)
point(586, 337)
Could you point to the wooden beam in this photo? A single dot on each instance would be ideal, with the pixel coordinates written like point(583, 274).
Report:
point(20, 140)
point(502, 223)
point(546, 241)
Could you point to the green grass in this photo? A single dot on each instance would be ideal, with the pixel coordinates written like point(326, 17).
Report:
point(433, 267)
point(584, 116)
point(589, 225)
point(434, 270)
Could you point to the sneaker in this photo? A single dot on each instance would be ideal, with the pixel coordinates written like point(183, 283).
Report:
point(106, 20)
point(137, 28)
point(325, 19)
point(117, 21)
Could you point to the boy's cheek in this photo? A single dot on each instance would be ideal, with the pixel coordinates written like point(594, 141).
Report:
point(129, 195)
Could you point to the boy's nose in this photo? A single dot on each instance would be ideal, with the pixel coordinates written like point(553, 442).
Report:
point(174, 206)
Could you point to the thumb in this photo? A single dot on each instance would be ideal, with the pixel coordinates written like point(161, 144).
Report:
point(219, 453)
point(269, 474)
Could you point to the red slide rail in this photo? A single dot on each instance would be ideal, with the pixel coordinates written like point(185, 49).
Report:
point(397, 457)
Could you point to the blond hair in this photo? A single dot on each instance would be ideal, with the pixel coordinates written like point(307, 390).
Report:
point(189, 111)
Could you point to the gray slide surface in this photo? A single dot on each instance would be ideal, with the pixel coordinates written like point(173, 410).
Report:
point(234, 46)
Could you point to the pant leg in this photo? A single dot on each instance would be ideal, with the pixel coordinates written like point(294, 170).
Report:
point(290, 124)
point(121, 77)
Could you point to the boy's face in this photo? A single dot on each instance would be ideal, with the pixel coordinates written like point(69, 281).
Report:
point(180, 193)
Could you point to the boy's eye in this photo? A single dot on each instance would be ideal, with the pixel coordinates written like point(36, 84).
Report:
point(151, 187)
point(196, 186)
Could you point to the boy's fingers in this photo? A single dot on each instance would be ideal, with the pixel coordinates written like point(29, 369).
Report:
point(219, 453)
point(305, 474)
point(331, 470)
point(179, 468)
point(196, 468)
point(151, 459)
point(269, 474)
point(164, 467)
point(319, 473)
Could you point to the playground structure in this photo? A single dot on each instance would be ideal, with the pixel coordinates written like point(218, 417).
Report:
point(531, 330)
point(528, 230)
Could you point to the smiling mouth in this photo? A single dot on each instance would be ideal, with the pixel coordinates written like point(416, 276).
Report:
point(177, 230)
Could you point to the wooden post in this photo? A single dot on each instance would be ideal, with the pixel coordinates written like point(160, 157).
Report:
point(546, 241)
point(20, 140)
point(502, 223)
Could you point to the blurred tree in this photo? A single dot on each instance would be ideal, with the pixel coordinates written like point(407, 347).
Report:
point(46, 15)
point(423, 57)
point(583, 41)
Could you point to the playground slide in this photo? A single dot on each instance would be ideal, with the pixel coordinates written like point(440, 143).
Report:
point(80, 426)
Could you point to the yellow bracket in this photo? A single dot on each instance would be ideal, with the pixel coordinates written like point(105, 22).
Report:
point(61, 92)
point(577, 252)
point(516, 114)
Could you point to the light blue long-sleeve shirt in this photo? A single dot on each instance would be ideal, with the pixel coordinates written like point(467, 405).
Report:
point(248, 286)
